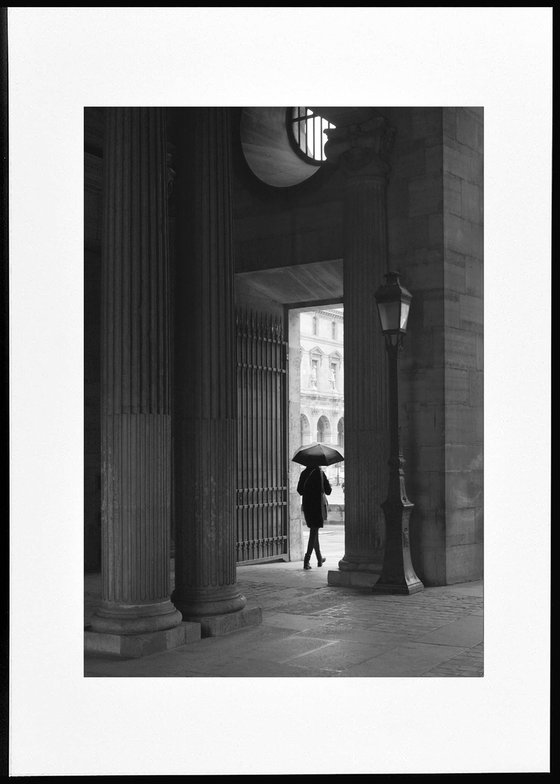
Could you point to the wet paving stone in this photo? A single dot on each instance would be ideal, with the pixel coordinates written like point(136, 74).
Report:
point(311, 629)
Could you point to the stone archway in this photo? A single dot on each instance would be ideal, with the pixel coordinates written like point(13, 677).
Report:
point(305, 430)
point(340, 432)
point(324, 430)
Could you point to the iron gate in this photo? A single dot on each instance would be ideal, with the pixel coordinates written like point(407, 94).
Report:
point(262, 485)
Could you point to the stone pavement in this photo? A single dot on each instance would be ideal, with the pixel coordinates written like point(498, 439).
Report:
point(310, 629)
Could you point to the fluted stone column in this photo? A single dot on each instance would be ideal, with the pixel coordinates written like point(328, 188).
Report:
point(205, 427)
point(362, 153)
point(135, 394)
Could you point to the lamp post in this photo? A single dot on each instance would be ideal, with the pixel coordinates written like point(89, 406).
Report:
point(398, 575)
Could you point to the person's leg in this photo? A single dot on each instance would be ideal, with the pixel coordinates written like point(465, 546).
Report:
point(320, 559)
point(313, 533)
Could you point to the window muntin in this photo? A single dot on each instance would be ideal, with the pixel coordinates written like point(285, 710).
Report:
point(305, 129)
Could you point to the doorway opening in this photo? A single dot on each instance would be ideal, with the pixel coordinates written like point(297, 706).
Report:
point(315, 402)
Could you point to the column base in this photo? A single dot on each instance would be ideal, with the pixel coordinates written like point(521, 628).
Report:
point(134, 646)
point(218, 625)
point(356, 572)
point(365, 564)
point(204, 602)
point(402, 588)
point(352, 579)
point(119, 618)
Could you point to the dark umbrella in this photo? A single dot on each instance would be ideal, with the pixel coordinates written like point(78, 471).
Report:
point(317, 454)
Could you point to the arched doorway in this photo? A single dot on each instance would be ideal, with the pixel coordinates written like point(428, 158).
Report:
point(323, 430)
point(340, 432)
point(305, 430)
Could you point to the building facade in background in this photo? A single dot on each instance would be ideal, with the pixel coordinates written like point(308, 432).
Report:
point(322, 381)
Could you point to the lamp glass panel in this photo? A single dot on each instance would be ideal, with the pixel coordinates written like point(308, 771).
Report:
point(389, 315)
point(405, 307)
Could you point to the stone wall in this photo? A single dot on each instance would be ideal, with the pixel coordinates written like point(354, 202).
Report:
point(463, 340)
point(435, 241)
point(278, 227)
point(415, 204)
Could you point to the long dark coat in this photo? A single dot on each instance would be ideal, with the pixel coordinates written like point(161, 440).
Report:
point(313, 485)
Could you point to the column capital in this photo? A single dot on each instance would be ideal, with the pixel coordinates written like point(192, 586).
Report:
point(363, 149)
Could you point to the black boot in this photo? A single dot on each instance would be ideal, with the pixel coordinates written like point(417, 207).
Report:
point(306, 564)
point(320, 560)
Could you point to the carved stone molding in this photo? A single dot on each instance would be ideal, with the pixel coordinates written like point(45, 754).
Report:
point(363, 149)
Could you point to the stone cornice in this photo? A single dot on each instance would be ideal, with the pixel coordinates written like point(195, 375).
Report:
point(363, 149)
point(331, 314)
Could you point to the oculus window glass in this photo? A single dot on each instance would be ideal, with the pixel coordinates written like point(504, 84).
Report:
point(305, 129)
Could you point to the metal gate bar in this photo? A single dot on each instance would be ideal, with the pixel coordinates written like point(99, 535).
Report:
point(262, 489)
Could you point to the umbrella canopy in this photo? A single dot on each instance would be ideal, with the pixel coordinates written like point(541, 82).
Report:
point(317, 454)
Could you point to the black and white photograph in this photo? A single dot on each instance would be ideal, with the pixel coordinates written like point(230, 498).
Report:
point(272, 455)
point(284, 371)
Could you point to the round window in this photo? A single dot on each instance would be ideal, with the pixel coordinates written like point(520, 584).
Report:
point(305, 131)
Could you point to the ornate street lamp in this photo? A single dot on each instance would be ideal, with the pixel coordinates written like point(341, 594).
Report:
point(398, 575)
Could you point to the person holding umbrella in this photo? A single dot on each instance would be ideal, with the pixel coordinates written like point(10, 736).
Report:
point(314, 486)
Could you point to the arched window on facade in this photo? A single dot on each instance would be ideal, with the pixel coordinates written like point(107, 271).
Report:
point(314, 322)
point(305, 430)
point(340, 429)
point(324, 430)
